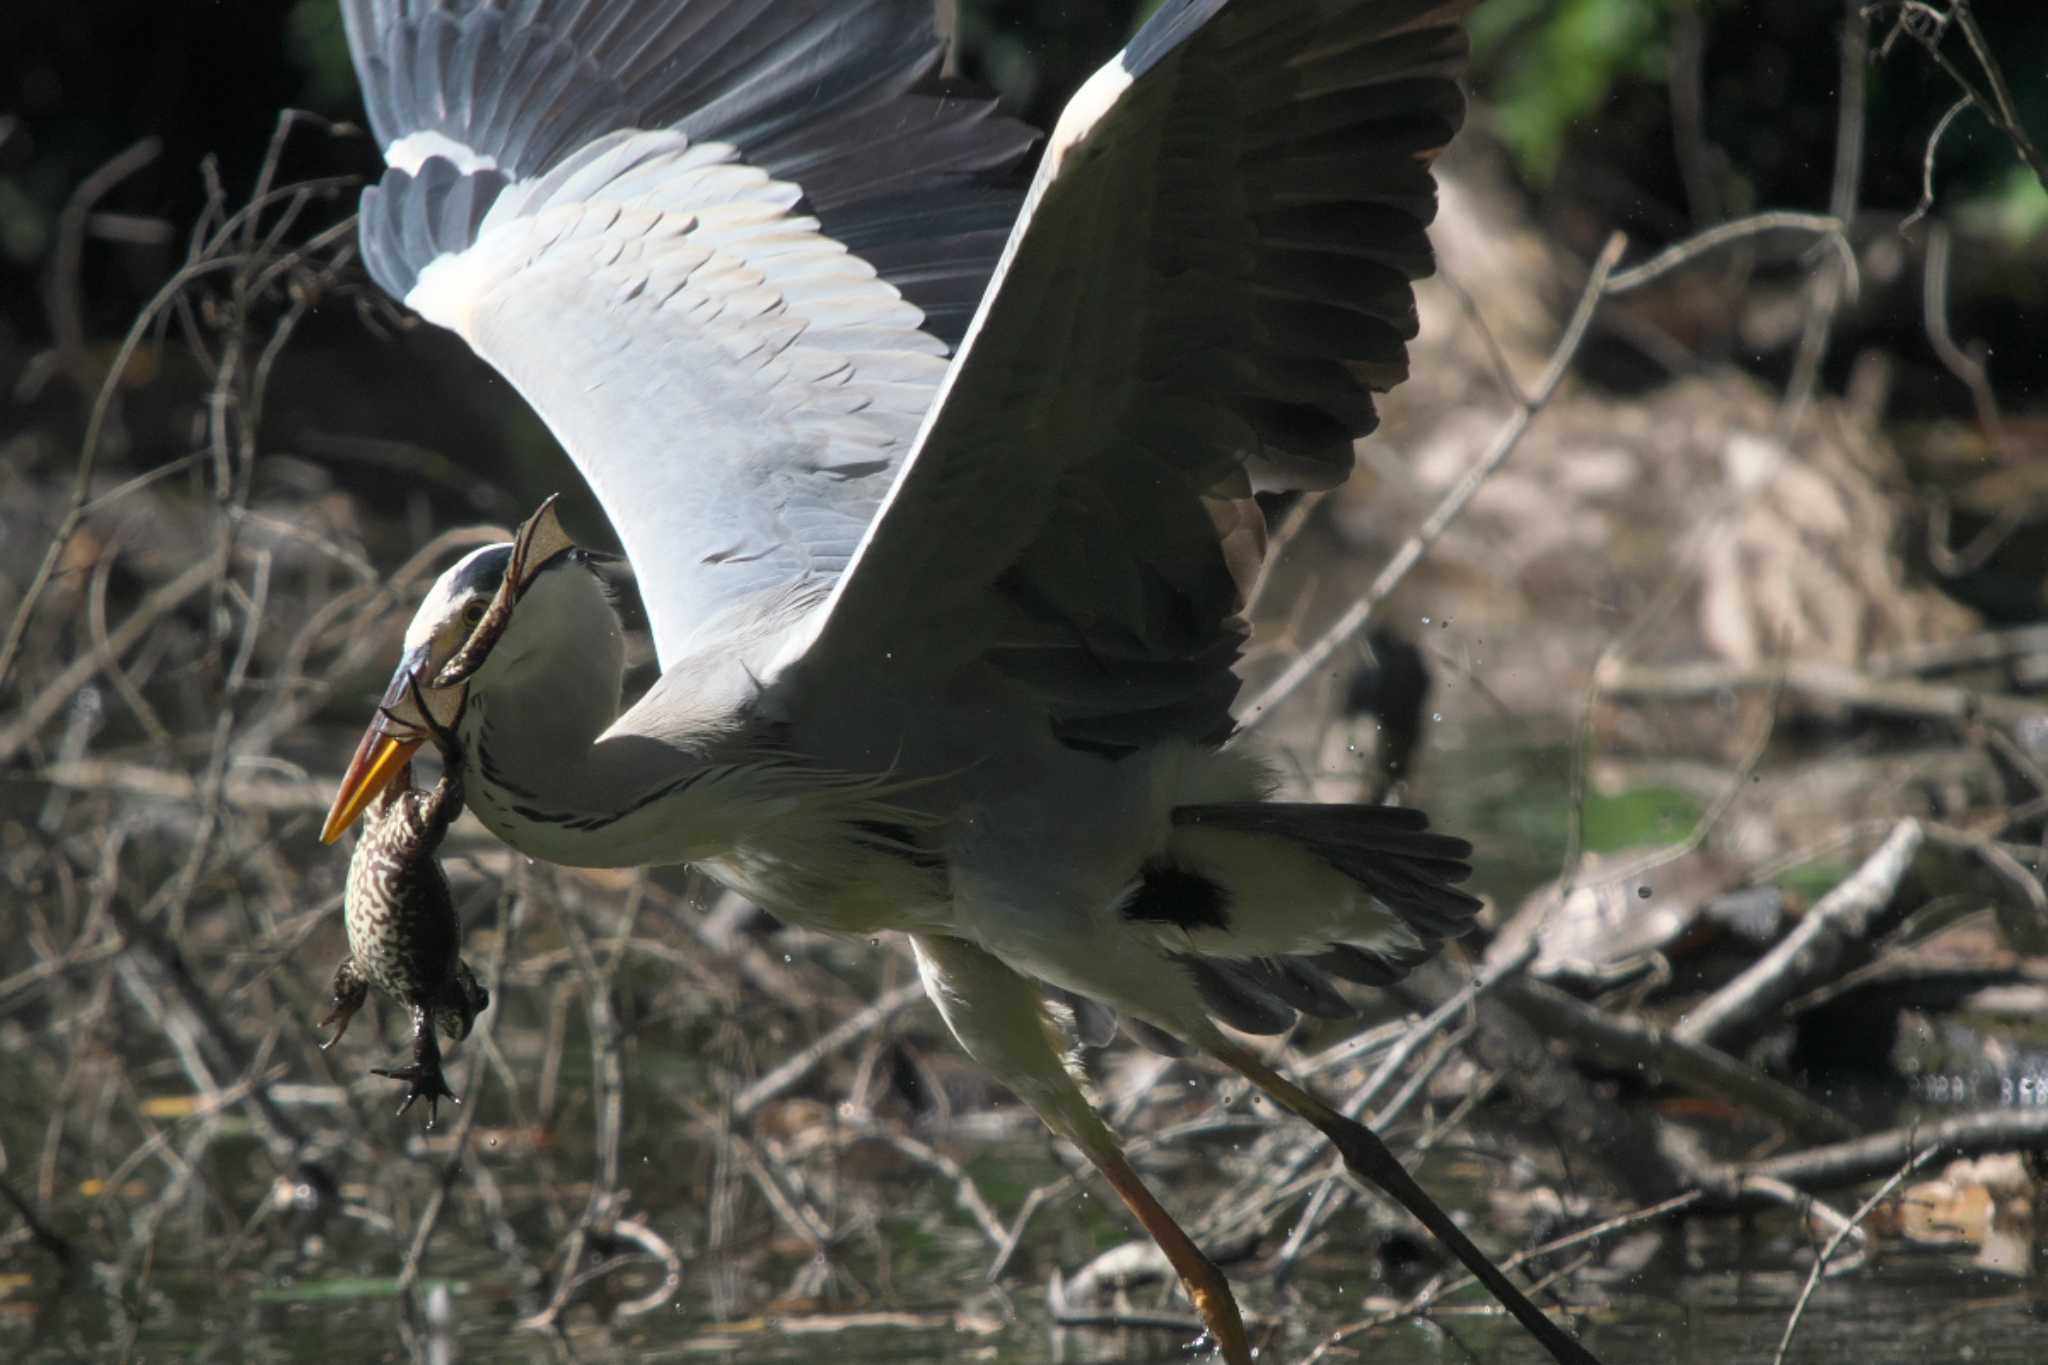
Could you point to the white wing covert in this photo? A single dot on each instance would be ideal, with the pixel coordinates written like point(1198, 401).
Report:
point(1211, 274)
point(722, 246)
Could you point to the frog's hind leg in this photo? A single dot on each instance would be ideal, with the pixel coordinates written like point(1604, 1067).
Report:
point(425, 1077)
point(350, 990)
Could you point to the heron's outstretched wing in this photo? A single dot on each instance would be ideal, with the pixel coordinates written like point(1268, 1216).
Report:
point(1211, 274)
point(722, 246)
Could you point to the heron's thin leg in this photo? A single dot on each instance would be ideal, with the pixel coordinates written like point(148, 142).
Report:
point(999, 1017)
point(1370, 1159)
point(1204, 1283)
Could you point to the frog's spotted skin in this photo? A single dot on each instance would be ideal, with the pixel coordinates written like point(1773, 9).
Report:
point(403, 934)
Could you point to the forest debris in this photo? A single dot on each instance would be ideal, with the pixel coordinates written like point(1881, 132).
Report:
point(1837, 684)
point(843, 1034)
point(1621, 911)
point(1512, 1039)
point(1986, 1204)
point(1837, 1164)
point(1619, 1041)
point(1810, 953)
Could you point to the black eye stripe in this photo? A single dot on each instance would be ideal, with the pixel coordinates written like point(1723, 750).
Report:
point(482, 574)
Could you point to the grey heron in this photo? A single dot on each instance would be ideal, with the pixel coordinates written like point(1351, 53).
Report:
point(940, 499)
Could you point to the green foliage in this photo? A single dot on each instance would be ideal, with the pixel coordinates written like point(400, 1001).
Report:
point(1639, 817)
point(1559, 67)
point(318, 46)
point(2016, 208)
point(343, 1288)
point(1811, 881)
point(25, 223)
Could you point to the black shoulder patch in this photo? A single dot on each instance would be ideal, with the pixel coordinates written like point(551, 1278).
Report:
point(1169, 894)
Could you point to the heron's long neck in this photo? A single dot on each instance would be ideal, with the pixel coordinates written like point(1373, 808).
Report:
point(552, 770)
point(536, 709)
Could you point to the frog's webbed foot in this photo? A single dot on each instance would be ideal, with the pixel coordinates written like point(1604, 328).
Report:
point(424, 1077)
point(350, 990)
point(427, 1083)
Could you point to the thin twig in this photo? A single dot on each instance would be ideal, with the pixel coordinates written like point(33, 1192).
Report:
point(1998, 107)
point(1821, 680)
point(1827, 1253)
point(1427, 1297)
point(1856, 1160)
point(805, 1060)
point(1829, 286)
point(1926, 204)
point(1634, 1044)
point(67, 321)
point(1810, 952)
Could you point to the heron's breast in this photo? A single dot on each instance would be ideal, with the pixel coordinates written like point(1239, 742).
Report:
point(846, 880)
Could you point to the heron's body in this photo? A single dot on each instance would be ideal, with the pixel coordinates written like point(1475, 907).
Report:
point(873, 808)
point(939, 496)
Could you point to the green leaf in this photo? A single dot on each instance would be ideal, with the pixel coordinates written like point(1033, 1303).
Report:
point(1640, 817)
point(343, 1288)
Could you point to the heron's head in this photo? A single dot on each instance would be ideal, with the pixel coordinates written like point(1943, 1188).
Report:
point(473, 998)
point(471, 626)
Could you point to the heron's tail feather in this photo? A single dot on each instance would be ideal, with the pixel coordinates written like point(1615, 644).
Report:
point(1390, 851)
point(1263, 901)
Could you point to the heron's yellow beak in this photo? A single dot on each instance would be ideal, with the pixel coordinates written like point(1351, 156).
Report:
point(390, 742)
point(381, 757)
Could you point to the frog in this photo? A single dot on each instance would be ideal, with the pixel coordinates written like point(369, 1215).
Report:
point(404, 936)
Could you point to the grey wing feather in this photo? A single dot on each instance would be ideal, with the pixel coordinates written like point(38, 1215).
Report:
point(633, 209)
point(409, 221)
point(1210, 278)
point(835, 96)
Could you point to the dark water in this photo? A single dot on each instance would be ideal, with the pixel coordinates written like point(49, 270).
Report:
point(1906, 1308)
point(292, 1292)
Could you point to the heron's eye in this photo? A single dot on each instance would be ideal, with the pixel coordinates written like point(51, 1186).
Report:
point(473, 613)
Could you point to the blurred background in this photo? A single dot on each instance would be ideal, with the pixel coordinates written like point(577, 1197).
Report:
point(1740, 644)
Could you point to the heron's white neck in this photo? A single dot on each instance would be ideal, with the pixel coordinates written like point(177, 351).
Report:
point(536, 708)
point(693, 774)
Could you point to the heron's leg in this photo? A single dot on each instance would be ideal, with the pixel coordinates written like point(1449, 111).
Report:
point(1370, 1159)
point(1000, 1018)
